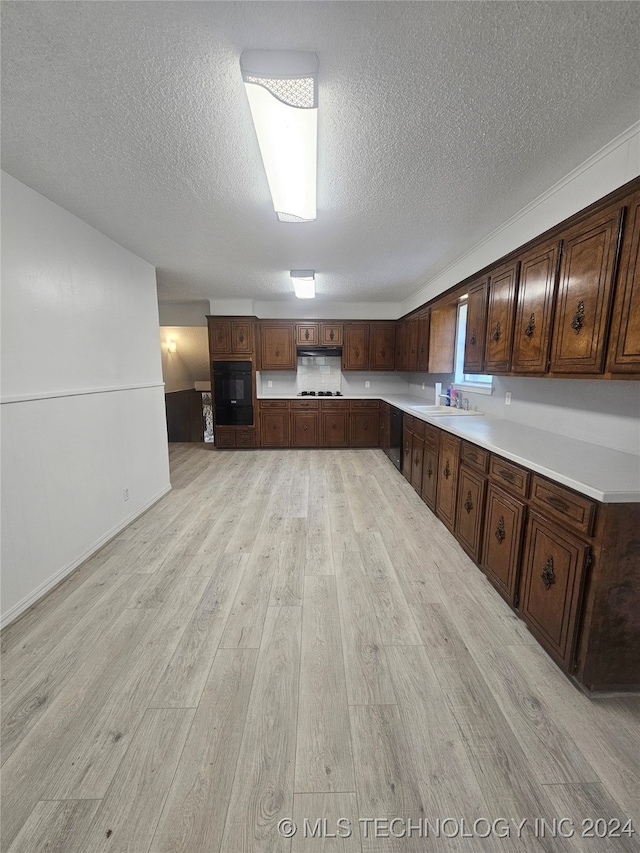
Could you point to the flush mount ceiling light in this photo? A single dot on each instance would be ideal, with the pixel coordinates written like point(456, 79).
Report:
point(282, 87)
point(304, 283)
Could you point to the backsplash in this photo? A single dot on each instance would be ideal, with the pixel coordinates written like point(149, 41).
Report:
point(319, 373)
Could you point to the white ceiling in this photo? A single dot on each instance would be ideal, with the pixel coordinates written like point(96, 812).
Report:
point(437, 122)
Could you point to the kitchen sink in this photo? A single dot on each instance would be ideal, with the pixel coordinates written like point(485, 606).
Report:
point(440, 411)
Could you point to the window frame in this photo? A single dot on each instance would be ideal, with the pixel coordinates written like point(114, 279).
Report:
point(467, 381)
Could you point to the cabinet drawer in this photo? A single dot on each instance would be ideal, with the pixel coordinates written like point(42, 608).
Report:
point(225, 437)
point(475, 456)
point(559, 503)
point(407, 423)
point(305, 404)
point(246, 438)
point(511, 477)
point(274, 404)
point(332, 405)
point(365, 404)
point(431, 435)
point(418, 427)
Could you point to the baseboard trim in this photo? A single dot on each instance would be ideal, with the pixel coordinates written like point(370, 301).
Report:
point(28, 601)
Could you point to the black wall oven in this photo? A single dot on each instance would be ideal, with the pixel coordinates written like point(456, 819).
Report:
point(233, 393)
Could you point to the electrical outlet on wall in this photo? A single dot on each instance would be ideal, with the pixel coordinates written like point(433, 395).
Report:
point(424, 385)
point(507, 398)
point(269, 384)
point(367, 384)
point(125, 493)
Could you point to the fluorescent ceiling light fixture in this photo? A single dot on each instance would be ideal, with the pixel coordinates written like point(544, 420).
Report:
point(304, 283)
point(282, 87)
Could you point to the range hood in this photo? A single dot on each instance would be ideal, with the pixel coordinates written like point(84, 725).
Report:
point(336, 352)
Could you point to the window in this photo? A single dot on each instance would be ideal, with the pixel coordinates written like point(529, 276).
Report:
point(481, 383)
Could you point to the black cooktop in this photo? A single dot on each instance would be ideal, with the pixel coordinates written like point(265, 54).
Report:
point(320, 394)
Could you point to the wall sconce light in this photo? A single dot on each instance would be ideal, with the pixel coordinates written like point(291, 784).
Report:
point(282, 87)
point(304, 283)
point(172, 346)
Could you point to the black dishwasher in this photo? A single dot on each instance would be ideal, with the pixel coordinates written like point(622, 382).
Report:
point(395, 438)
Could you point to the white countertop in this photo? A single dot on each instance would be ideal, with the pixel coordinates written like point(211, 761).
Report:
point(605, 475)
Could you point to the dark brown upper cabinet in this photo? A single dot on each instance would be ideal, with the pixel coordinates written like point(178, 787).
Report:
point(382, 346)
point(476, 326)
point(535, 307)
point(307, 334)
point(442, 338)
point(230, 336)
point(423, 340)
point(277, 346)
point(355, 353)
point(585, 290)
point(503, 288)
point(331, 334)
point(625, 328)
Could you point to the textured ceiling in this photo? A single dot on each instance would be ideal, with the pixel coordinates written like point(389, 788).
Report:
point(437, 121)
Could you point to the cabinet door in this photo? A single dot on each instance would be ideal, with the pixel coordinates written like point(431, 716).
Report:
point(274, 428)
point(534, 311)
point(304, 429)
point(552, 577)
point(224, 437)
point(277, 350)
point(448, 480)
point(476, 326)
point(584, 294)
point(417, 454)
point(500, 318)
point(625, 328)
point(307, 334)
point(381, 346)
point(355, 354)
point(470, 511)
point(442, 338)
point(412, 344)
point(331, 334)
point(242, 337)
point(364, 429)
point(423, 341)
point(503, 526)
point(430, 475)
point(335, 429)
point(401, 349)
point(407, 441)
point(219, 337)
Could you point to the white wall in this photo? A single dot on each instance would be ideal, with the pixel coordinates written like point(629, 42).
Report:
point(82, 394)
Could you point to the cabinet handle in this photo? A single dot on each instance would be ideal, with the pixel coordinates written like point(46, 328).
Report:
point(530, 326)
point(356, 352)
point(506, 475)
point(468, 505)
point(277, 353)
point(331, 335)
point(558, 503)
point(219, 337)
point(306, 334)
point(472, 456)
point(416, 460)
point(499, 531)
point(446, 471)
point(498, 333)
point(305, 427)
point(473, 340)
point(241, 338)
point(578, 318)
point(334, 426)
point(548, 575)
point(383, 353)
point(429, 472)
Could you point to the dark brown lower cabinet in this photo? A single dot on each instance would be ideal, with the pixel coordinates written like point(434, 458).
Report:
point(417, 453)
point(430, 475)
point(407, 443)
point(364, 429)
point(448, 480)
point(503, 527)
point(553, 570)
point(470, 511)
point(304, 429)
point(274, 428)
point(335, 429)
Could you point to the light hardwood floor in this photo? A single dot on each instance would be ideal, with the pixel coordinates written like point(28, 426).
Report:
point(293, 634)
